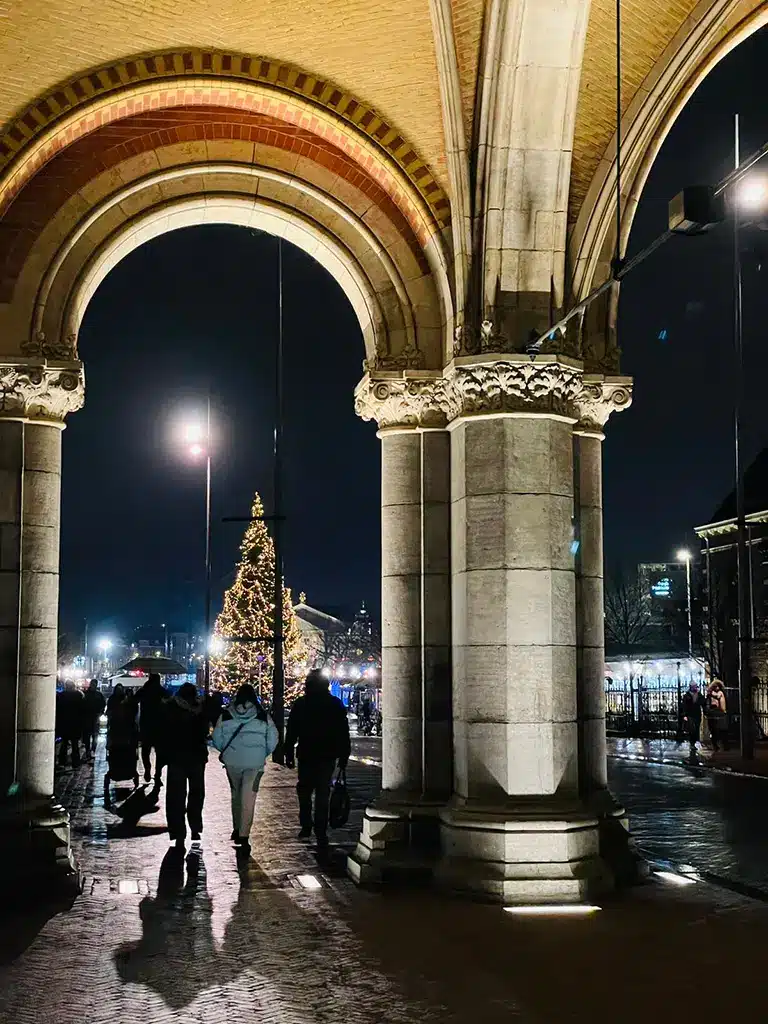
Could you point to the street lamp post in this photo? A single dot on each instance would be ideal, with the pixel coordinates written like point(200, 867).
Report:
point(749, 193)
point(104, 647)
point(685, 556)
point(199, 440)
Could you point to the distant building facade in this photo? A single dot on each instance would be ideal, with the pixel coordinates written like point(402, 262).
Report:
point(665, 591)
point(718, 544)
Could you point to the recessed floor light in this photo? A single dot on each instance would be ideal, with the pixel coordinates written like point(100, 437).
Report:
point(674, 879)
point(309, 882)
point(554, 910)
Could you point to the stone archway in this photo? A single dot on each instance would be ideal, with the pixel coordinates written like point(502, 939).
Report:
point(702, 41)
point(97, 182)
point(491, 627)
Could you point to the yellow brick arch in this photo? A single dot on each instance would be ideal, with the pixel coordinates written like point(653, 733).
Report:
point(715, 30)
point(87, 100)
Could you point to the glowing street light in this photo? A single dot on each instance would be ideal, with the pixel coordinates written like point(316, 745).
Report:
point(752, 193)
point(105, 645)
point(197, 437)
point(684, 555)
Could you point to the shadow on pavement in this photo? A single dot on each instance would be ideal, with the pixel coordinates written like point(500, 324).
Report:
point(20, 927)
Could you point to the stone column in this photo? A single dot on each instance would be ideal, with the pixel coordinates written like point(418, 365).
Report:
point(516, 829)
point(599, 398)
point(401, 609)
point(34, 399)
point(436, 604)
point(415, 620)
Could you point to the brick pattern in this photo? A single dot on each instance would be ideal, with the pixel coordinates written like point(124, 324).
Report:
point(98, 151)
point(175, 66)
point(468, 29)
point(233, 943)
point(647, 28)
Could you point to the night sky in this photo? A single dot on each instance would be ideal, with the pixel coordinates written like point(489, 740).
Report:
point(198, 306)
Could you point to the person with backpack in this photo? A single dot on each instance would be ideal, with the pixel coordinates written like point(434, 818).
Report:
point(245, 735)
point(318, 722)
point(717, 718)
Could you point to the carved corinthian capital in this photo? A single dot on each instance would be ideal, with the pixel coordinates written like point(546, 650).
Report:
point(514, 383)
point(40, 390)
point(402, 400)
point(599, 397)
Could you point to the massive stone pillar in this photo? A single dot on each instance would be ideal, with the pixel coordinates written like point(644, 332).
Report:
point(35, 398)
point(416, 681)
point(516, 829)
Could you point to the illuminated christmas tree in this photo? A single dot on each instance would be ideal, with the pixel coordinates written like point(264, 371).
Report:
point(242, 649)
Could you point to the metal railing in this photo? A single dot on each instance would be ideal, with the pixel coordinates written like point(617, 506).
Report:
point(648, 707)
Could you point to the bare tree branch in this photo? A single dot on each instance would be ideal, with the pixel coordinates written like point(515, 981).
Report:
point(627, 611)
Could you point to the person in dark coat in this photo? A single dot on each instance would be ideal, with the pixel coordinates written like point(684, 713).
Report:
point(122, 739)
point(184, 749)
point(150, 698)
point(93, 709)
point(691, 711)
point(70, 710)
point(318, 722)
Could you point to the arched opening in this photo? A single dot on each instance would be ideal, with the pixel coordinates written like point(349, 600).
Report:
point(190, 309)
point(674, 457)
point(99, 186)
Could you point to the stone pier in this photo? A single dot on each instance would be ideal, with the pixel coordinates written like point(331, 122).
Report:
point(34, 399)
point(528, 796)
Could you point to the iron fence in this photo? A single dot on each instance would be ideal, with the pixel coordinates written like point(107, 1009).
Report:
point(648, 707)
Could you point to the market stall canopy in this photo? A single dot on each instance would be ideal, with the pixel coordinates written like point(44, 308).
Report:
point(163, 666)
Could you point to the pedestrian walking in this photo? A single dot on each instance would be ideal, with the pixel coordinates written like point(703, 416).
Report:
point(245, 735)
point(122, 739)
point(214, 705)
point(70, 709)
point(94, 705)
point(318, 722)
point(184, 749)
point(692, 707)
point(717, 717)
point(150, 699)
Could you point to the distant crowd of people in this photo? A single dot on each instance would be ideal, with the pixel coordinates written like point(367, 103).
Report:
point(176, 730)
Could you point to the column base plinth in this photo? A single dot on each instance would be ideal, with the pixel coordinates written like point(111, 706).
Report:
point(35, 852)
point(399, 841)
point(537, 852)
point(617, 848)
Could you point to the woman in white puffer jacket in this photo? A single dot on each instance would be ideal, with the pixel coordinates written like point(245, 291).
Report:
point(246, 736)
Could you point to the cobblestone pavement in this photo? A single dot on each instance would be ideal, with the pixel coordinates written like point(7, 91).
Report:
point(164, 942)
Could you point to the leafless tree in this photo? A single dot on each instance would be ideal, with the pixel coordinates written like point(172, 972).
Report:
point(627, 611)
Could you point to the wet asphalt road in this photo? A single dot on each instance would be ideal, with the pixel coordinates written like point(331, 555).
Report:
point(716, 823)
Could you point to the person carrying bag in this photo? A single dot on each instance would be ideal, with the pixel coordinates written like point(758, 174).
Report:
point(245, 735)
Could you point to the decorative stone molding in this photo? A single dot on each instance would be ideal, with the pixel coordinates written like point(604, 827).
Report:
point(38, 345)
point(403, 400)
point(599, 397)
point(515, 384)
point(470, 386)
point(40, 390)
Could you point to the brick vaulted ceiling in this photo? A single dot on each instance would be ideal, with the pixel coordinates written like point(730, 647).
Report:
point(380, 51)
point(48, 190)
point(647, 27)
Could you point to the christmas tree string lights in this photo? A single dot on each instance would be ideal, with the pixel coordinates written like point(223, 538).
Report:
point(244, 628)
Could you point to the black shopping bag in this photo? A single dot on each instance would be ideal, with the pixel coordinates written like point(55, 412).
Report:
point(339, 807)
